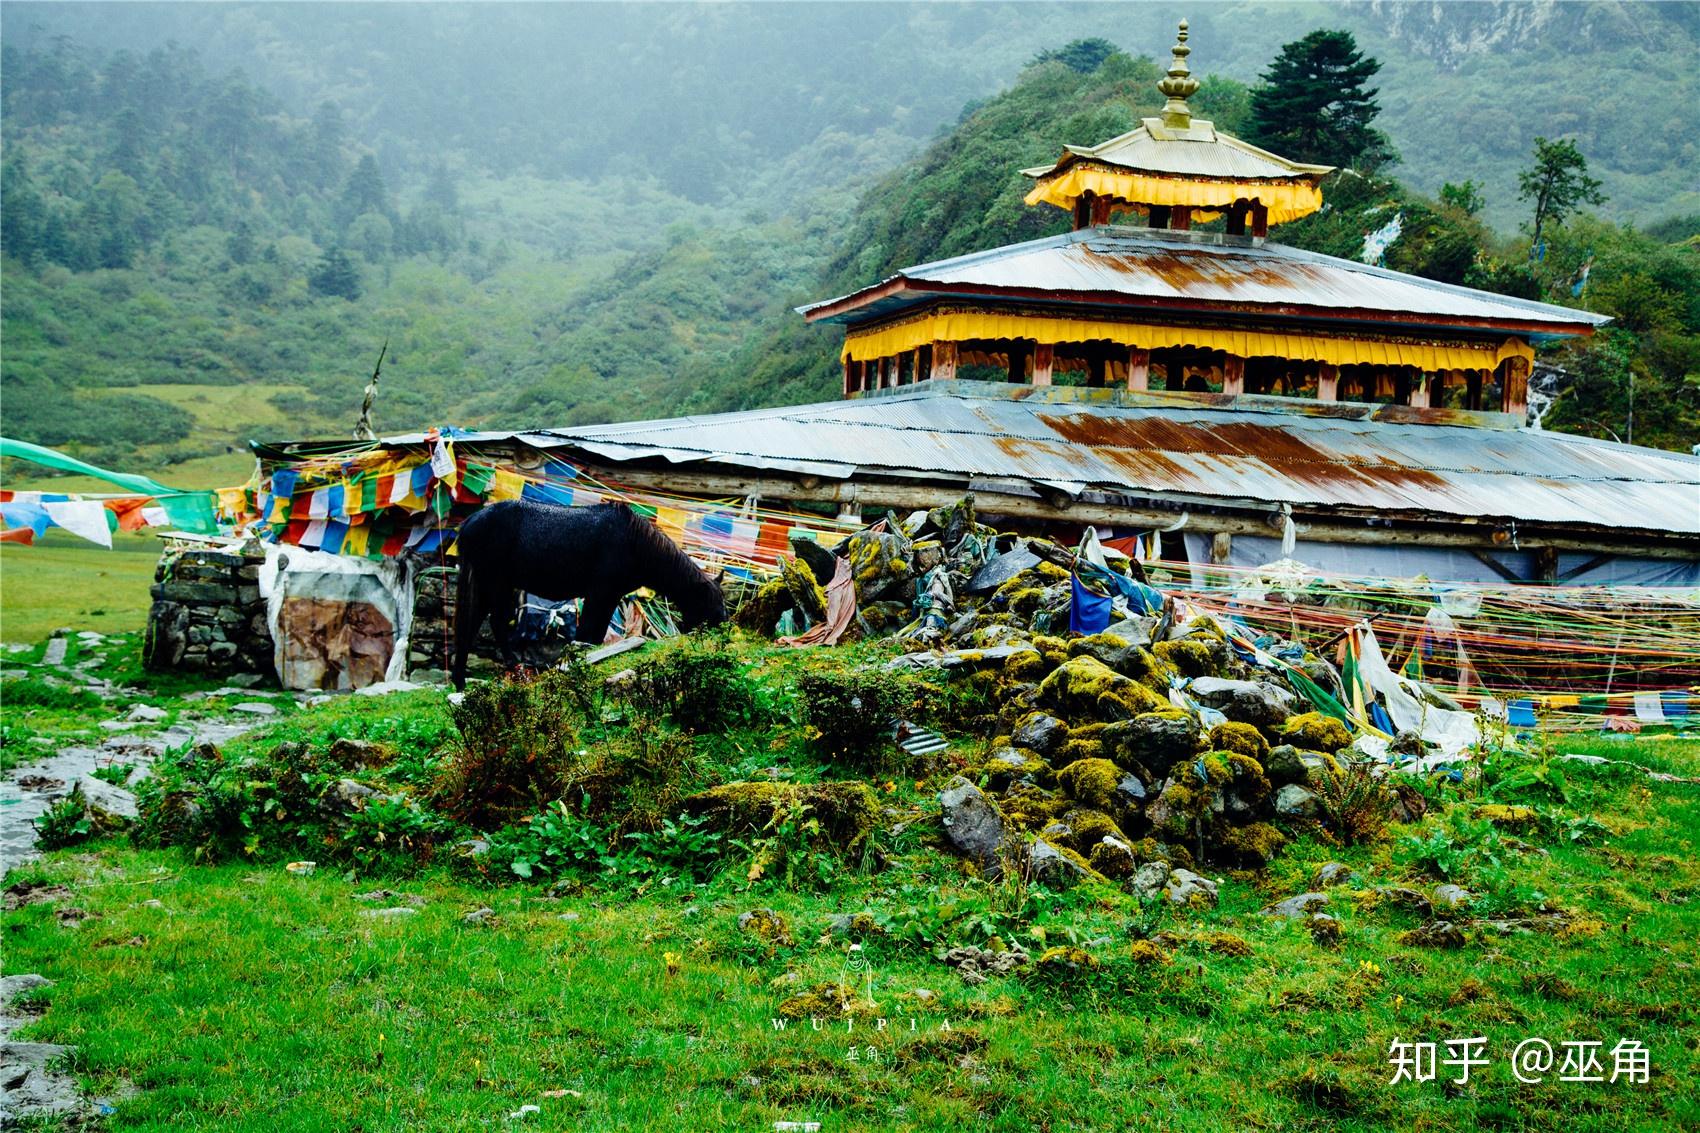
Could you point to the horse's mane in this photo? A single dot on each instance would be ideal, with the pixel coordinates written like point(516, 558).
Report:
point(668, 557)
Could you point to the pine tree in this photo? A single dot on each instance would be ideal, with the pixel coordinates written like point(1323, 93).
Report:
point(1558, 182)
point(364, 191)
point(335, 276)
point(1313, 105)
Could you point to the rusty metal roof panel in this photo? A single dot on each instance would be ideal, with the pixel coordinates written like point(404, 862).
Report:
point(1187, 449)
point(1159, 265)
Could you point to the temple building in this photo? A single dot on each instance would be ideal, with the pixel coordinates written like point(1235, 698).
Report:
point(1159, 305)
point(1164, 369)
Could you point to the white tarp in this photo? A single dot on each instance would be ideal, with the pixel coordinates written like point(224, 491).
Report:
point(336, 622)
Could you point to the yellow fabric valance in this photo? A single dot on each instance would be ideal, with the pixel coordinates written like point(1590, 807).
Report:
point(962, 326)
point(1285, 200)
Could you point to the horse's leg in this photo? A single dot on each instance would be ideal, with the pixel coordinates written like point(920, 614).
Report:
point(593, 619)
point(505, 623)
point(469, 616)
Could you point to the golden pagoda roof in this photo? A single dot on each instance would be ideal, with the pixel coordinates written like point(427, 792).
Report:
point(1176, 159)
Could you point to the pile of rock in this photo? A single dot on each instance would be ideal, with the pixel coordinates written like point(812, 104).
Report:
point(207, 614)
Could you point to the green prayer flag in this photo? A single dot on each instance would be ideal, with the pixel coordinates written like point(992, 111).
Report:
point(36, 454)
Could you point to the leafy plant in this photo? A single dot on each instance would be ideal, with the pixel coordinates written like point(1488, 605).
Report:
point(65, 823)
point(702, 688)
point(1453, 849)
point(852, 714)
point(1354, 802)
point(117, 774)
point(517, 746)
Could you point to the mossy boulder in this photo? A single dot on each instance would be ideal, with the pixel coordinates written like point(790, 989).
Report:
point(1084, 688)
point(1193, 657)
point(762, 609)
point(1036, 730)
point(1090, 825)
point(1113, 857)
point(1254, 846)
point(881, 564)
point(767, 926)
point(1027, 665)
point(1106, 647)
point(1057, 866)
point(847, 813)
point(1156, 741)
point(1150, 670)
point(1242, 738)
point(807, 594)
point(1316, 732)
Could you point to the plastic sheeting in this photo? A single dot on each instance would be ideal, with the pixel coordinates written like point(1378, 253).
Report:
point(1447, 564)
point(336, 622)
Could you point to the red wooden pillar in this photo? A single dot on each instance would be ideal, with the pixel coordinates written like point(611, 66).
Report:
point(1328, 382)
point(1514, 386)
point(1044, 357)
point(1180, 218)
point(1233, 375)
point(1259, 219)
point(1138, 368)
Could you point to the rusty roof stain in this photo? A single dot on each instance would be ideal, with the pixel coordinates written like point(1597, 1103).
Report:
point(1239, 274)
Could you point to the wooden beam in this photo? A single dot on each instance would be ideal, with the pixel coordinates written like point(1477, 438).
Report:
point(1546, 565)
point(1328, 382)
point(1259, 219)
point(1100, 210)
point(1180, 218)
point(1497, 567)
point(1233, 375)
point(1044, 357)
point(944, 361)
point(1138, 368)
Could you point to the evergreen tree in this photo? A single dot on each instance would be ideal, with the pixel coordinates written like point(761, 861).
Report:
point(1557, 183)
point(1313, 105)
point(1083, 55)
point(364, 191)
point(335, 276)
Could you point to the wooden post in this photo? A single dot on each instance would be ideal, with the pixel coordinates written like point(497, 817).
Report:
point(1138, 368)
point(923, 362)
point(944, 361)
point(917, 368)
point(1328, 382)
point(1514, 386)
point(1083, 210)
point(1473, 389)
point(1100, 210)
point(1018, 361)
point(1233, 375)
point(1180, 218)
point(1259, 219)
point(888, 373)
point(1044, 356)
point(1546, 565)
point(849, 377)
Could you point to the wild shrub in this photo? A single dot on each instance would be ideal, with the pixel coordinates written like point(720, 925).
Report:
point(517, 746)
point(852, 714)
point(632, 782)
point(800, 834)
point(1354, 802)
point(703, 688)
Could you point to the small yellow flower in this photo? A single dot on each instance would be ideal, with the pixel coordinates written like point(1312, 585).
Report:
point(890, 787)
point(674, 962)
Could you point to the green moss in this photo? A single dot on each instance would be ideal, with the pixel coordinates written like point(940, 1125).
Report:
point(1076, 749)
point(767, 926)
point(1147, 953)
point(1317, 732)
point(1066, 956)
point(1255, 845)
point(827, 1001)
point(808, 594)
point(1193, 658)
point(1091, 825)
point(1513, 816)
point(1026, 666)
point(1225, 944)
point(1151, 671)
point(1031, 807)
point(1248, 778)
point(1091, 782)
point(1241, 738)
point(763, 608)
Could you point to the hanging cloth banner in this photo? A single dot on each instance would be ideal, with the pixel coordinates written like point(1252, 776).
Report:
point(47, 458)
point(87, 518)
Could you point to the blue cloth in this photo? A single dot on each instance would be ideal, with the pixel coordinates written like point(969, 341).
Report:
point(1520, 714)
point(1379, 717)
point(547, 494)
point(420, 480)
point(1087, 612)
point(30, 515)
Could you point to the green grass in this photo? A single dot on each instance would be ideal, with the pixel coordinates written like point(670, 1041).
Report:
point(252, 998)
point(63, 580)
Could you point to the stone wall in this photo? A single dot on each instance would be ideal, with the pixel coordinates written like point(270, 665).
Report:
point(207, 615)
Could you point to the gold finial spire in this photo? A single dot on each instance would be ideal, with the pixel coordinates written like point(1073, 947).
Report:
point(1178, 85)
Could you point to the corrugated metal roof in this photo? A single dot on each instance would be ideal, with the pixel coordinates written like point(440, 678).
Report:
point(1199, 151)
point(1159, 265)
point(1183, 448)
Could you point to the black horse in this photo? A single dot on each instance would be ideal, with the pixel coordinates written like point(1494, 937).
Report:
point(599, 553)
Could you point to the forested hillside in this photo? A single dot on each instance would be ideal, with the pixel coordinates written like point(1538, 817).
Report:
point(195, 255)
